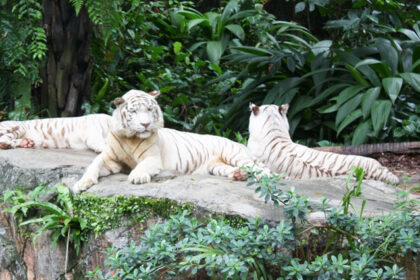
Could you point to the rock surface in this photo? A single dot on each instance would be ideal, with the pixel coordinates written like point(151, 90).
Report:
point(29, 167)
point(26, 168)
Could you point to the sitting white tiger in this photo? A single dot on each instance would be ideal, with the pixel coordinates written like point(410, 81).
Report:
point(269, 141)
point(86, 132)
point(138, 140)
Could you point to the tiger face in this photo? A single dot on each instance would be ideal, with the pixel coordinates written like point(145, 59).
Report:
point(267, 115)
point(138, 113)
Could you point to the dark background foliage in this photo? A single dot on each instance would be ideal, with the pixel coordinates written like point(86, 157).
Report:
point(349, 69)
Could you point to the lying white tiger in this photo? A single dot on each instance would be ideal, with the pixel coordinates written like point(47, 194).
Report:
point(269, 141)
point(86, 132)
point(138, 140)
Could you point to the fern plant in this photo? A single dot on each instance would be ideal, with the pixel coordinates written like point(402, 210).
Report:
point(58, 217)
point(23, 45)
point(108, 21)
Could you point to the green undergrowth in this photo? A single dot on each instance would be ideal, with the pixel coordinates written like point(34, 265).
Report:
point(182, 242)
point(57, 209)
point(103, 213)
point(347, 246)
point(75, 217)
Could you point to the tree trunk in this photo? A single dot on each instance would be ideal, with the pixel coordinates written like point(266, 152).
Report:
point(66, 75)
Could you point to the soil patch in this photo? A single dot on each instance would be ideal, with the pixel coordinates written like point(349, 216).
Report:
point(405, 166)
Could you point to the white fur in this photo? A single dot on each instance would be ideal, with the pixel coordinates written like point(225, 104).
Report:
point(86, 132)
point(270, 142)
point(164, 149)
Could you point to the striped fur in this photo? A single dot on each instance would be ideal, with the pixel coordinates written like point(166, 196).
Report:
point(139, 141)
point(86, 132)
point(270, 141)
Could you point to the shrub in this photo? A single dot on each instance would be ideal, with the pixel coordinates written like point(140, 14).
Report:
point(347, 246)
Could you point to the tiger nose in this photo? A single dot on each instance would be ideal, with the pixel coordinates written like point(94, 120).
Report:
point(145, 124)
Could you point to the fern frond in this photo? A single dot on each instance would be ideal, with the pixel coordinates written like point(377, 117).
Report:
point(77, 5)
point(110, 20)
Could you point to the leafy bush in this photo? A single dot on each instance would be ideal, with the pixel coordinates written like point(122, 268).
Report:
point(23, 48)
point(347, 246)
point(219, 27)
point(358, 92)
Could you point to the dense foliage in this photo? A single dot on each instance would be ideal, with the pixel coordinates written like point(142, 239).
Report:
point(351, 75)
point(348, 246)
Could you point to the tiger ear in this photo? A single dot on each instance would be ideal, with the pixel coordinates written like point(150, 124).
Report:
point(283, 108)
point(254, 108)
point(155, 93)
point(118, 101)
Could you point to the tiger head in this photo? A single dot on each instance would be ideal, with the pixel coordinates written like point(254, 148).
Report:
point(268, 117)
point(137, 113)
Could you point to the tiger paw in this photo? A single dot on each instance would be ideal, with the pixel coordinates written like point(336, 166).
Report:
point(26, 143)
point(139, 177)
point(240, 175)
point(82, 185)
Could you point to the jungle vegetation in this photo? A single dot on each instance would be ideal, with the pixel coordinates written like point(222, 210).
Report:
point(350, 69)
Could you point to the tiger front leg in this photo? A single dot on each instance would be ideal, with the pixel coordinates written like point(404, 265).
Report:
point(145, 170)
point(100, 166)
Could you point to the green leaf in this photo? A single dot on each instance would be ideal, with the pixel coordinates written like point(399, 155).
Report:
point(303, 102)
point(357, 76)
point(392, 87)
point(361, 133)
point(230, 8)
point(300, 7)
point(48, 206)
point(413, 79)
point(191, 13)
point(42, 220)
point(83, 223)
point(410, 34)
point(214, 20)
point(77, 4)
point(348, 93)
point(65, 196)
point(216, 68)
point(214, 51)
point(329, 108)
point(364, 69)
point(368, 98)
point(236, 30)
point(102, 91)
point(254, 50)
point(347, 108)
point(367, 61)
point(177, 47)
point(196, 46)
point(388, 53)
point(349, 119)
point(321, 46)
point(380, 114)
point(194, 22)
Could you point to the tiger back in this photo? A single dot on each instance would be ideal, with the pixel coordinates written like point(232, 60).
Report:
point(85, 132)
point(139, 141)
point(270, 141)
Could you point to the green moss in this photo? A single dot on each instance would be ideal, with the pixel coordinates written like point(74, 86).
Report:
point(234, 221)
point(104, 213)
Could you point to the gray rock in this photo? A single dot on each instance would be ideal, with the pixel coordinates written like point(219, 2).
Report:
point(29, 167)
point(26, 168)
point(11, 264)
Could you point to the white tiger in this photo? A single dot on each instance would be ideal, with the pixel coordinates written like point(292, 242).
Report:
point(138, 140)
point(86, 132)
point(269, 141)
